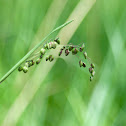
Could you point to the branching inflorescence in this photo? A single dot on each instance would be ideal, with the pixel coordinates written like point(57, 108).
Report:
point(31, 60)
point(65, 48)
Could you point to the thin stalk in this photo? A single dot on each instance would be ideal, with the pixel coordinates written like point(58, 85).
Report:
point(31, 51)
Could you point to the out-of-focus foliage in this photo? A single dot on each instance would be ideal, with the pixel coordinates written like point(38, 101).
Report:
point(60, 93)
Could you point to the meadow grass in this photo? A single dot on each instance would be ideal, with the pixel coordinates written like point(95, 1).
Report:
point(60, 93)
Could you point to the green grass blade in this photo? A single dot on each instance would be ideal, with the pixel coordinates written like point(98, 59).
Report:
point(31, 51)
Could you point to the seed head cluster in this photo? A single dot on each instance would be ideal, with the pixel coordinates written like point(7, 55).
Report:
point(67, 49)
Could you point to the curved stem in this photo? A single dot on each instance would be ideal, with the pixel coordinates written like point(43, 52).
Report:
point(31, 51)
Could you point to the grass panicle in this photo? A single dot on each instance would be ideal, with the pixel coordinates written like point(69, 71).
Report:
point(67, 49)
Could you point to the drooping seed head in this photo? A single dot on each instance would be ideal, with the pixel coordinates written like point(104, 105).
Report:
point(74, 51)
point(57, 40)
point(42, 51)
point(25, 69)
point(93, 65)
point(85, 55)
point(80, 63)
point(20, 68)
point(38, 61)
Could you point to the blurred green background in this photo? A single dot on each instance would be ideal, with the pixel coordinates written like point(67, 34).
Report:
point(60, 93)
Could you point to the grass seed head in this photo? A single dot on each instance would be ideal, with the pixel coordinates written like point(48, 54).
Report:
point(82, 48)
point(74, 51)
point(85, 55)
point(60, 53)
point(41, 56)
point(38, 61)
point(29, 63)
point(54, 44)
point(93, 65)
point(47, 58)
point(91, 78)
point(51, 58)
point(33, 62)
point(57, 40)
point(42, 51)
point(84, 65)
point(80, 63)
point(46, 46)
point(91, 69)
point(67, 52)
point(70, 48)
point(20, 68)
point(93, 73)
point(25, 69)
